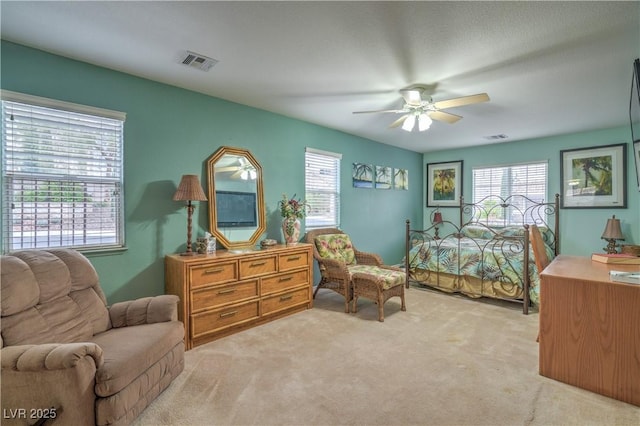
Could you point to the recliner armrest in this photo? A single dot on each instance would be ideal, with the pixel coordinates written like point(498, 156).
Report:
point(147, 310)
point(50, 356)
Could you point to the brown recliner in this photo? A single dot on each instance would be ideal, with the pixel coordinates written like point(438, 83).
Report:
point(70, 358)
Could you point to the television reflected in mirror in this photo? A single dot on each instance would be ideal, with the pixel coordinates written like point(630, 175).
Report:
point(236, 209)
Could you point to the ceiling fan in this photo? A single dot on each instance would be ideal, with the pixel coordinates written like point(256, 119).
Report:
point(240, 166)
point(425, 111)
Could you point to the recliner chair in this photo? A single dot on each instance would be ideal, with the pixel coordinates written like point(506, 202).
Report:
point(69, 358)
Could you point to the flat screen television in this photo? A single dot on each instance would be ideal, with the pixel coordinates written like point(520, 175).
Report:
point(634, 102)
point(235, 209)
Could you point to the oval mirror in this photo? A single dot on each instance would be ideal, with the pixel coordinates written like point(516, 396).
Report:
point(236, 202)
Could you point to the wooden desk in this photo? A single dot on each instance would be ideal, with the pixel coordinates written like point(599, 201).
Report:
point(590, 328)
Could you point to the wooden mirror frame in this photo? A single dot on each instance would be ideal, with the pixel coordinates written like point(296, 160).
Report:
point(213, 213)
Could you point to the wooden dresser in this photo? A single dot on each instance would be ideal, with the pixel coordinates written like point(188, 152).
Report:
point(230, 291)
point(590, 327)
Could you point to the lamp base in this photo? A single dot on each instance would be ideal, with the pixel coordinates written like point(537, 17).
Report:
point(611, 247)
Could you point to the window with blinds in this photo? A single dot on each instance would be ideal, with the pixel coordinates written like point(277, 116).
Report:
point(322, 188)
point(489, 183)
point(61, 175)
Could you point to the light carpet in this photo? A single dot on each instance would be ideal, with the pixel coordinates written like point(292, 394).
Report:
point(447, 360)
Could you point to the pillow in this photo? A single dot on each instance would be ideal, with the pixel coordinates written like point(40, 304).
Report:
point(476, 232)
point(337, 247)
point(511, 231)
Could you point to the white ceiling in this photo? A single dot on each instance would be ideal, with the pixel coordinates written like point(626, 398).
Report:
point(549, 67)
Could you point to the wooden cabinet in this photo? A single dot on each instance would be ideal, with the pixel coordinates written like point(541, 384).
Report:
point(228, 291)
point(590, 328)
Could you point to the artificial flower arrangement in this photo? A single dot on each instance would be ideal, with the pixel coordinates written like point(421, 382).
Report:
point(292, 208)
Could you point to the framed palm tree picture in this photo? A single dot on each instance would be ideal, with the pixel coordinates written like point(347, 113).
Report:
point(362, 175)
point(444, 184)
point(594, 177)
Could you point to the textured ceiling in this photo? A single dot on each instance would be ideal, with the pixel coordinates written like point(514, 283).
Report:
point(549, 67)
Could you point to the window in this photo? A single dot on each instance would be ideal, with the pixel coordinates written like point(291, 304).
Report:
point(322, 187)
point(61, 175)
point(529, 180)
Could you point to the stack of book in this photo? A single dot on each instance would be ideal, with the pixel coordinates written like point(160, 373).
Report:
point(625, 277)
point(618, 258)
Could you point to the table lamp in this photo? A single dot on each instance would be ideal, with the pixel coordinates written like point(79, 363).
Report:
point(612, 232)
point(436, 221)
point(189, 190)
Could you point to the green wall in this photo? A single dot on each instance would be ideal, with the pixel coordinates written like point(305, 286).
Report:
point(580, 229)
point(171, 131)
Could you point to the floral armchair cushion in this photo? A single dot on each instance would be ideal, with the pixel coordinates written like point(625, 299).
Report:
point(336, 246)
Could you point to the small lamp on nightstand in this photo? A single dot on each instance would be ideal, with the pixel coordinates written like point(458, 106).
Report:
point(437, 222)
point(189, 190)
point(612, 232)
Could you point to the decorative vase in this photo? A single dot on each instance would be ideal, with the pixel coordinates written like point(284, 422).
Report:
point(291, 230)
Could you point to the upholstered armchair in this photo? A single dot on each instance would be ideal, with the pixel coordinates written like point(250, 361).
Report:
point(70, 359)
point(339, 261)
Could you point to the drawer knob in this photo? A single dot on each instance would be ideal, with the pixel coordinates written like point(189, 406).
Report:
point(292, 259)
point(227, 291)
point(283, 279)
point(286, 297)
point(255, 264)
point(228, 314)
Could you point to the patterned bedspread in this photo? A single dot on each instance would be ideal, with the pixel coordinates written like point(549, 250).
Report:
point(488, 259)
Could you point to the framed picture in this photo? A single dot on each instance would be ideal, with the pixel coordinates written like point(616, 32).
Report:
point(444, 184)
point(362, 175)
point(636, 154)
point(594, 177)
point(383, 177)
point(401, 179)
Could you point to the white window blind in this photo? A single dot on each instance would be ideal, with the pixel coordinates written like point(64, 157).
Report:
point(490, 184)
point(322, 187)
point(62, 175)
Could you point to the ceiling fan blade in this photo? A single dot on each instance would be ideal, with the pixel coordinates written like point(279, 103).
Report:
point(397, 111)
point(465, 100)
point(447, 117)
point(412, 96)
point(399, 121)
point(227, 169)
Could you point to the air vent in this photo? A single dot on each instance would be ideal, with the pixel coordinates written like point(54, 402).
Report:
point(497, 137)
point(197, 61)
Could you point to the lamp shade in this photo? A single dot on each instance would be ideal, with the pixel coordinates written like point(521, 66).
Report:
point(437, 218)
point(612, 231)
point(189, 189)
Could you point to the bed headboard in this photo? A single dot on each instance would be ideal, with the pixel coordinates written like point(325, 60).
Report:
point(515, 210)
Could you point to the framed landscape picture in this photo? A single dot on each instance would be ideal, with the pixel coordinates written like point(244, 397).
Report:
point(444, 184)
point(384, 177)
point(401, 179)
point(362, 175)
point(594, 177)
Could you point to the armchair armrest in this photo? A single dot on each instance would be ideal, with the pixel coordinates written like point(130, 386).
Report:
point(52, 356)
point(147, 310)
point(365, 258)
point(333, 269)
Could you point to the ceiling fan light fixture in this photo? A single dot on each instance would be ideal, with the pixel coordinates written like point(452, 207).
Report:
point(424, 122)
point(409, 123)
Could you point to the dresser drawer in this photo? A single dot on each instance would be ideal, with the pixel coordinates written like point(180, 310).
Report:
point(213, 274)
point(286, 300)
point(210, 297)
point(258, 266)
point(211, 321)
point(284, 281)
point(293, 260)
